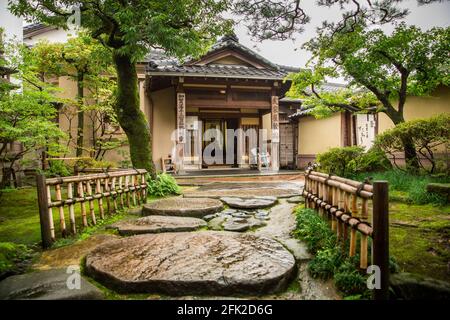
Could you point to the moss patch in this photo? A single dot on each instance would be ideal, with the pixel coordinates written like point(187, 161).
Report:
point(419, 239)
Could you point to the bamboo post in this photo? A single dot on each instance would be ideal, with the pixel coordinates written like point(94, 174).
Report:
point(50, 213)
point(380, 243)
point(127, 188)
point(107, 189)
point(44, 216)
point(62, 221)
point(114, 196)
point(363, 252)
point(121, 192)
point(133, 192)
point(144, 191)
point(73, 226)
point(91, 202)
point(82, 204)
point(98, 190)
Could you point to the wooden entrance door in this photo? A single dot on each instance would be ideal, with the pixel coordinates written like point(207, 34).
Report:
point(287, 145)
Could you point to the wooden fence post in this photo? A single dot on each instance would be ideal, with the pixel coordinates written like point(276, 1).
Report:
point(43, 211)
point(380, 244)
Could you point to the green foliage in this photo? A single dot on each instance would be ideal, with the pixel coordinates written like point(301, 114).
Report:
point(57, 168)
point(313, 230)
point(11, 255)
point(427, 135)
point(336, 160)
point(350, 281)
point(325, 263)
point(330, 260)
point(163, 185)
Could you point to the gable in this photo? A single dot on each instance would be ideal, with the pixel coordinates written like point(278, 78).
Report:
point(230, 57)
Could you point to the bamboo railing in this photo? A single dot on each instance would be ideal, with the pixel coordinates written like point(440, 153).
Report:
point(117, 188)
point(354, 208)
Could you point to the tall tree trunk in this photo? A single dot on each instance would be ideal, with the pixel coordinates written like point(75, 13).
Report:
point(411, 159)
point(129, 115)
point(80, 128)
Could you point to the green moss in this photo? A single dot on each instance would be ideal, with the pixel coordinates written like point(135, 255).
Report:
point(422, 247)
point(11, 255)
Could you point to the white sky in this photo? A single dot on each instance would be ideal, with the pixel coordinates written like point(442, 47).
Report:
point(290, 53)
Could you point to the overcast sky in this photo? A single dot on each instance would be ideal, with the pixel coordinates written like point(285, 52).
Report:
point(290, 53)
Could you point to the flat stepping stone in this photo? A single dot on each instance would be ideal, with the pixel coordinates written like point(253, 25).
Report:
point(242, 225)
point(183, 207)
point(251, 203)
point(157, 224)
point(47, 285)
point(296, 199)
point(183, 263)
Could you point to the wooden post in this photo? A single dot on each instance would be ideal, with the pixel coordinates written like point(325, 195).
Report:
point(43, 211)
point(73, 226)
point(91, 202)
point(62, 221)
point(82, 204)
point(181, 132)
point(380, 243)
point(98, 190)
point(275, 139)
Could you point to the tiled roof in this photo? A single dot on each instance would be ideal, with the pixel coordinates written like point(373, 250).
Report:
point(161, 64)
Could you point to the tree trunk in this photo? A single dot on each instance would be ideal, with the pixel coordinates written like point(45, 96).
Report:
point(411, 159)
point(129, 115)
point(80, 128)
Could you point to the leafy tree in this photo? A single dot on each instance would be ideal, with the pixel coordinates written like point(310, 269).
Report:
point(26, 116)
point(383, 70)
point(282, 19)
point(129, 29)
point(82, 59)
point(427, 136)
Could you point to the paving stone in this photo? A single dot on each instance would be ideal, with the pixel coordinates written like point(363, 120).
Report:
point(183, 207)
point(183, 263)
point(157, 224)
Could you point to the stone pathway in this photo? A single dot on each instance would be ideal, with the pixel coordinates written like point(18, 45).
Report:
point(256, 262)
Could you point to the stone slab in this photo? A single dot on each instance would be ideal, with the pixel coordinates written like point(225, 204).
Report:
point(183, 207)
point(183, 263)
point(157, 224)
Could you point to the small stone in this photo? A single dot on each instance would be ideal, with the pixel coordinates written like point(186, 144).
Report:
point(228, 211)
point(262, 216)
point(47, 285)
point(296, 199)
point(210, 216)
point(241, 214)
point(135, 211)
point(216, 223)
point(236, 226)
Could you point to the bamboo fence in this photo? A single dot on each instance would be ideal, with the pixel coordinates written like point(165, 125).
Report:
point(354, 209)
point(111, 190)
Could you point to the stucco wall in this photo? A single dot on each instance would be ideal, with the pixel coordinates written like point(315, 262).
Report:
point(420, 107)
point(315, 136)
point(164, 123)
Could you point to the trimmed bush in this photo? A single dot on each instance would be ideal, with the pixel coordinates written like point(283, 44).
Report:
point(427, 135)
point(348, 161)
point(163, 185)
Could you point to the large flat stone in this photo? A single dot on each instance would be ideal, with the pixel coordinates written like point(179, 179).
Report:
point(249, 203)
point(183, 207)
point(214, 263)
point(46, 285)
point(157, 224)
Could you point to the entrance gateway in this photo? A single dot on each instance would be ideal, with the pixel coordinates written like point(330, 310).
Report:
point(230, 88)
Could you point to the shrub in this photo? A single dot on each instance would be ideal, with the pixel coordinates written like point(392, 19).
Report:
point(427, 135)
point(163, 185)
point(336, 160)
point(325, 263)
point(11, 255)
point(58, 168)
point(313, 230)
point(349, 280)
point(348, 161)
